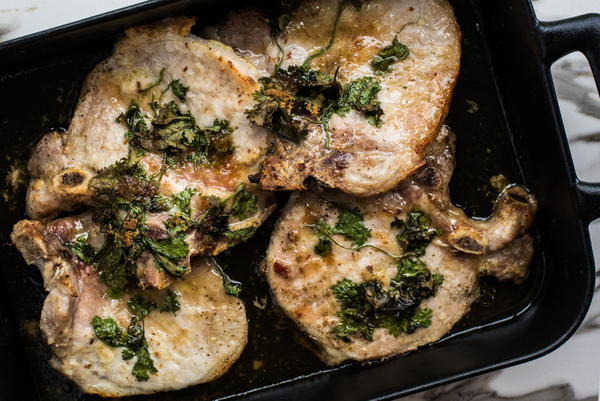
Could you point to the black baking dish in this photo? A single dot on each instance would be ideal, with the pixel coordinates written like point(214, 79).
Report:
point(516, 131)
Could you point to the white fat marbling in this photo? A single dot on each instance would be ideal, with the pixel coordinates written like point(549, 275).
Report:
point(572, 372)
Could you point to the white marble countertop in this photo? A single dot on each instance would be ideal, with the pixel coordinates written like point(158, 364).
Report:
point(571, 373)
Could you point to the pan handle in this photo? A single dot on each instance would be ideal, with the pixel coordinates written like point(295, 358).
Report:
point(559, 39)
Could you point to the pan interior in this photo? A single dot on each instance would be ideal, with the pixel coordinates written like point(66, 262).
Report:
point(41, 97)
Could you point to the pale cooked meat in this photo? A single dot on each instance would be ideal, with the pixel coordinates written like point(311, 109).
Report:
point(220, 87)
point(195, 345)
point(363, 160)
point(32, 237)
point(302, 281)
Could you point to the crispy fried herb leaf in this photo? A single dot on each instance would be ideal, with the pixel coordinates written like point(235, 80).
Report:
point(133, 339)
point(125, 179)
point(361, 95)
point(389, 55)
point(415, 233)
point(232, 287)
point(178, 89)
point(291, 99)
point(175, 133)
point(171, 302)
point(135, 120)
point(80, 248)
point(350, 225)
point(243, 203)
point(108, 331)
point(140, 306)
point(324, 232)
point(369, 305)
point(144, 366)
point(243, 234)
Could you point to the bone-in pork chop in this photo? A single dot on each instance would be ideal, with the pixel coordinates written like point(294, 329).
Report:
point(372, 277)
point(395, 63)
point(191, 345)
point(162, 91)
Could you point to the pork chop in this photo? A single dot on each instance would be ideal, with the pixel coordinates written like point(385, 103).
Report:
point(193, 344)
point(368, 278)
point(405, 54)
point(164, 91)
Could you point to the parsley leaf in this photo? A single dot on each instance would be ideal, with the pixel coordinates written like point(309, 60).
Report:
point(243, 203)
point(361, 95)
point(232, 287)
point(144, 366)
point(389, 55)
point(323, 232)
point(171, 302)
point(80, 248)
point(178, 89)
point(243, 234)
point(350, 225)
point(140, 306)
point(415, 233)
point(108, 331)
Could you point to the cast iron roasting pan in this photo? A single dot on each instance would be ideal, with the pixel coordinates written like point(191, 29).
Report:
point(506, 116)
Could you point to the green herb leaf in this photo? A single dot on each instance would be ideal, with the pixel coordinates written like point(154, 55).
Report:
point(243, 203)
point(350, 225)
point(132, 339)
point(369, 305)
point(421, 318)
point(362, 95)
point(135, 120)
point(178, 89)
point(144, 366)
point(290, 100)
point(171, 302)
point(108, 331)
point(415, 233)
point(243, 234)
point(140, 306)
point(81, 249)
point(323, 232)
point(389, 55)
point(232, 287)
